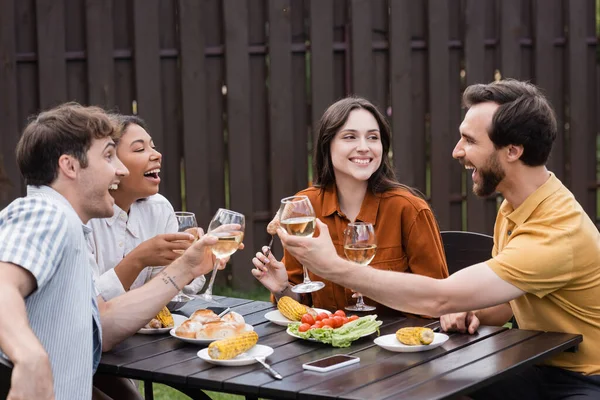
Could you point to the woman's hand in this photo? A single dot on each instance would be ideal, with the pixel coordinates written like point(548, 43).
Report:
point(162, 249)
point(270, 272)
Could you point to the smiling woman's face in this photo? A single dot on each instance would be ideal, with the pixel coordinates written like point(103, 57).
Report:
point(356, 149)
point(136, 151)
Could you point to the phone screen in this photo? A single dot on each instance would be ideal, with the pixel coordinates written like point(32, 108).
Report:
point(329, 361)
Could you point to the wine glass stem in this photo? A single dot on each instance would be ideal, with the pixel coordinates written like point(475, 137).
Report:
point(360, 302)
point(306, 278)
point(208, 291)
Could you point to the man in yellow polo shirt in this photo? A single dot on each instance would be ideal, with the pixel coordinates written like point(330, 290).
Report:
point(545, 265)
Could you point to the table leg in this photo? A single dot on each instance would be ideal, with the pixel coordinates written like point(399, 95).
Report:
point(148, 391)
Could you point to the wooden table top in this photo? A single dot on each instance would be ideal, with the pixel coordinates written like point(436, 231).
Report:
point(463, 364)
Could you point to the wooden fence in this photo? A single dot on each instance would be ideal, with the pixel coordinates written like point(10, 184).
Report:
point(232, 89)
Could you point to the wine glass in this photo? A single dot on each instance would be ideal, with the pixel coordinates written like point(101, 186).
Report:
point(360, 247)
point(228, 227)
point(297, 217)
point(185, 221)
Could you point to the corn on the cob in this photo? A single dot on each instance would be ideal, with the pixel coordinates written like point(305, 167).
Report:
point(291, 309)
point(227, 349)
point(415, 336)
point(165, 318)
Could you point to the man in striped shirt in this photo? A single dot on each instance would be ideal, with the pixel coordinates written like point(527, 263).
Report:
point(56, 327)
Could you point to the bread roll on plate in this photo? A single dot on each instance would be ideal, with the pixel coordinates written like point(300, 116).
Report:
point(234, 318)
point(220, 330)
point(204, 316)
point(188, 329)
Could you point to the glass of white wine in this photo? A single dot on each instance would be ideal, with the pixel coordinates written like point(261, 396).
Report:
point(228, 227)
point(360, 247)
point(185, 221)
point(297, 217)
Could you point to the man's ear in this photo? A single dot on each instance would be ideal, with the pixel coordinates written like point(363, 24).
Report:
point(513, 152)
point(68, 166)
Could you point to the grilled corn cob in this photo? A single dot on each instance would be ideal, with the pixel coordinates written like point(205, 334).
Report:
point(229, 348)
point(291, 309)
point(415, 336)
point(165, 318)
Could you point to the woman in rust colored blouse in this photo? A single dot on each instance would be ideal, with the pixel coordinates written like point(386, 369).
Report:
point(355, 182)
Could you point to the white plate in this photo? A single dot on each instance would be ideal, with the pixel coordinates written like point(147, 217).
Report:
point(246, 358)
point(277, 317)
point(389, 342)
point(177, 319)
point(201, 341)
point(315, 340)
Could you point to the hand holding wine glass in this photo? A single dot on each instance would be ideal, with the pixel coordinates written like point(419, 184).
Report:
point(228, 227)
point(360, 246)
point(297, 217)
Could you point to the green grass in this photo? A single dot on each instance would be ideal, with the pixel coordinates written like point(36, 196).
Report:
point(163, 392)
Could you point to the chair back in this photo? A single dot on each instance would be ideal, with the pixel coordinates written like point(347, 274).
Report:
point(5, 376)
point(466, 248)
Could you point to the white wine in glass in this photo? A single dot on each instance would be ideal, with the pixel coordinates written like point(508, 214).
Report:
point(360, 247)
point(297, 217)
point(228, 227)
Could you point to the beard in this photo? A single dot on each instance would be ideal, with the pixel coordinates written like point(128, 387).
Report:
point(491, 176)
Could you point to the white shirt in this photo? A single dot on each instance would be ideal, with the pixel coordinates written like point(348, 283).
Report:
point(43, 234)
point(113, 238)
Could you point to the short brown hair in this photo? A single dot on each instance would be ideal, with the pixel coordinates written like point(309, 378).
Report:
point(331, 122)
point(524, 118)
point(66, 129)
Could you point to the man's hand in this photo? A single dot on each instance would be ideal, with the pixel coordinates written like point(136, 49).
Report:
point(270, 272)
point(311, 252)
point(460, 322)
point(162, 249)
point(32, 379)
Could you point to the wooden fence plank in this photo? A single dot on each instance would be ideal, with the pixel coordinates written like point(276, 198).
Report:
point(283, 153)
point(546, 15)
point(196, 149)
point(258, 12)
point(124, 68)
point(479, 210)
point(419, 95)
point(100, 62)
point(76, 72)
point(321, 59)
point(361, 53)
point(300, 83)
point(342, 67)
point(241, 179)
point(583, 148)
point(52, 67)
point(510, 35)
point(170, 78)
point(148, 77)
point(9, 113)
point(439, 95)
point(457, 200)
point(380, 54)
point(403, 137)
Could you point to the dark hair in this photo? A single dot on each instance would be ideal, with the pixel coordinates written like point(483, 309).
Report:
point(524, 118)
point(122, 122)
point(66, 129)
point(331, 122)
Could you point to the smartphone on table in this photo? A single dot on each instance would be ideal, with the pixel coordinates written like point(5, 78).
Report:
point(331, 363)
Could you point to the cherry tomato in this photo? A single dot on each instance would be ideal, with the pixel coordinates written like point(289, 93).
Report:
point(322, 316)
point(339, 313)
point(314, 327)
point(308, 319)
point(337, 321)
point(352, 318)
point(318, 324)
point(346, 320)
point(303, 327)
point(328, 322)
